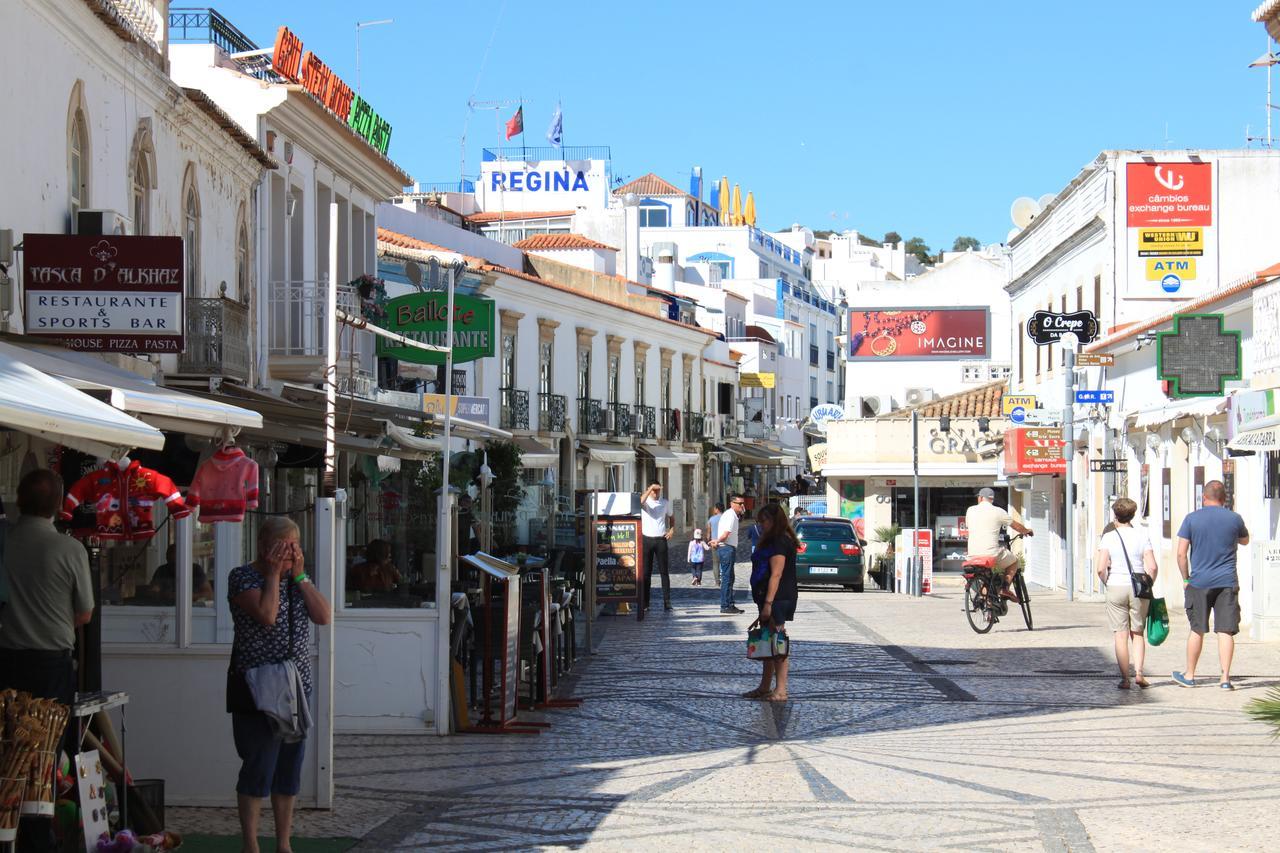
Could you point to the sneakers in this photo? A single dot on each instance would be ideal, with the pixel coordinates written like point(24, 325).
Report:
point(1180, 679)
point(1226, 685)
point(727, 610)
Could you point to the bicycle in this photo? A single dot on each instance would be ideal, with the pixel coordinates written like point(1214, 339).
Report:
point(983, 603)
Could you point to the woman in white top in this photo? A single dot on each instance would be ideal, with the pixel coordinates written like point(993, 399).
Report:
point(1123, 551)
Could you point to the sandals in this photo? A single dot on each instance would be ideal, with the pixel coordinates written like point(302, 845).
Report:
point(774, 697)
point(758, 693)
point(1124, 685)
point(1142, 682)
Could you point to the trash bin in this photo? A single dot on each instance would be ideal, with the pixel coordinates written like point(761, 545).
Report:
point(146, 810)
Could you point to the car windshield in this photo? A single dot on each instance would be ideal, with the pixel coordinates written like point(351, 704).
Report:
point(825, 532)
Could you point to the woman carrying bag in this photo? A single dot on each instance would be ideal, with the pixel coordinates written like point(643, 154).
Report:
point(1127, 565)
point(773, 587)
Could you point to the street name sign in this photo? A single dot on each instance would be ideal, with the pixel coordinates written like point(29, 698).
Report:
point(1095, 396)
point(1106, 466)
point(1043, 416)
point(1095, 359)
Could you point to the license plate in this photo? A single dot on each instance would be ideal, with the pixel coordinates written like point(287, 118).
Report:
point(823, 570)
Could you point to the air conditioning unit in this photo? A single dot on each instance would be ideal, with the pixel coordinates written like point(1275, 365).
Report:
point(874, 406)
point(916, 396)
point(102, 223)
point(608, 420)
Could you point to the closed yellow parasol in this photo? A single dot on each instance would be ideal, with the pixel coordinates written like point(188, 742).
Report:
point(749, 210)
point(735, 216)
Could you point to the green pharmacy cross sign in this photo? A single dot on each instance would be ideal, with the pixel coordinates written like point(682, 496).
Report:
point(1198, 356)
point(423, 317)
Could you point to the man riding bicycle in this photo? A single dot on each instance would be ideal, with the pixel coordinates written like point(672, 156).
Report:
point(985, 521)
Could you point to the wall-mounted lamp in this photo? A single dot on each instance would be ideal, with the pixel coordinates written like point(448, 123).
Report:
point(984, 424)
point(944, 423)
point(1153, 441)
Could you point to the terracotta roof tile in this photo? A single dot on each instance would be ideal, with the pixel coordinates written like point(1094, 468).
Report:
point(543, 242)
point(404, 241)
point(517, 215)
point(649, 184)
point(980, 402)
point(761, 333)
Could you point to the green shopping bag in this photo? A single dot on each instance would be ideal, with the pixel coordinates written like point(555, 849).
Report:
point(1157, 622)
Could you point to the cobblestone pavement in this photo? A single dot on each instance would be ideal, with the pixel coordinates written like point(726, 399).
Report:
point(906, 731)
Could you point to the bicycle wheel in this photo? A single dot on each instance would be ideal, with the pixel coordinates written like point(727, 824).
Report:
point(1025, 599)
point(976, 606)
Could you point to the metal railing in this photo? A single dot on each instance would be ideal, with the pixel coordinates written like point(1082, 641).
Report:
point(142, 18)
point(515, 408)
point(621, 419)
point(552, 411)
point(670, 425)
point(298, 323)
point(533, 154)
point(645, 422)
point(590, 416)
point(728, 428)
point(695, 426)
point(217, 339)
point(813, 355)
point(206, 26)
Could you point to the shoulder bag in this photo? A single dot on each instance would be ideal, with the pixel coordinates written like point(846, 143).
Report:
point(239, 696)
point(1141, 581)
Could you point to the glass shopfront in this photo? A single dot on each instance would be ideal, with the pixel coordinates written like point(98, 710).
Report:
point(942, 509)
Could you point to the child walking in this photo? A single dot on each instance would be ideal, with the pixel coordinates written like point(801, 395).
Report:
point(697, 554)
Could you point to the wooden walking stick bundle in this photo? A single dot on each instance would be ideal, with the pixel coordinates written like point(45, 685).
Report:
point(32, 730)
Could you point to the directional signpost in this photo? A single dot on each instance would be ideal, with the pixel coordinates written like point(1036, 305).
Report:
point(1106, 466)
point(1104, 397)
point(1095, 359)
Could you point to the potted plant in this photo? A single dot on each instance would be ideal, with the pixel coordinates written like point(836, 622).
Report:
point(887, 535)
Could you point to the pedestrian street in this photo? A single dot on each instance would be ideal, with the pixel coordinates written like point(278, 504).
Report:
point(905, 731)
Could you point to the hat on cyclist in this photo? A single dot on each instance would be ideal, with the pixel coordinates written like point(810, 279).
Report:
point(987, 493)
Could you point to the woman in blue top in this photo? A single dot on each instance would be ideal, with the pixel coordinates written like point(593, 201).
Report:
point(773, 587)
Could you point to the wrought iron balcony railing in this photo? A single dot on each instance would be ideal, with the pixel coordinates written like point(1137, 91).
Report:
point(645, 422)
point(217, 339)
point(298, 324)
point(695, 425)
point(590, 416)
point(515, 408)
point(621, 425)
point(670, 425)
point(552, 411)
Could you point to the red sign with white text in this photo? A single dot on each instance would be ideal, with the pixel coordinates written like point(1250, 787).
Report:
point(910, 334)
point(1164, 194)
point(1034, 450)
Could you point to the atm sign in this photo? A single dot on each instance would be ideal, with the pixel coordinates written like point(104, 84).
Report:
point(1183, 268)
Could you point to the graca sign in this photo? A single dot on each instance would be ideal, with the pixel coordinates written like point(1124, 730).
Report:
point(423, 317)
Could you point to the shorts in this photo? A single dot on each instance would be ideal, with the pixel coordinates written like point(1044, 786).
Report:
point(780, 612)
point(268, 764)
point(1124, 611)
point(1224, 601)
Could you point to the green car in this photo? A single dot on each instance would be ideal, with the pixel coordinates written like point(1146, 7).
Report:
point(830, 553)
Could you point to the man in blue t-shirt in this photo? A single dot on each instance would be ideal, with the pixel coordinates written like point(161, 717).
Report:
point(1211, 535)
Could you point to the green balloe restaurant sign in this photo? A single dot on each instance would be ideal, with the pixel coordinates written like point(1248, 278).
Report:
point(423, 317)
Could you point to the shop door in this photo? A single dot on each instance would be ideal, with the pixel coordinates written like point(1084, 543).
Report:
point(1036, 548)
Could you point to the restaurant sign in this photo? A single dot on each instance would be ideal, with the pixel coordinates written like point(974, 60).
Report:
point(306, 69)
point(104, 293)
point(423, 317)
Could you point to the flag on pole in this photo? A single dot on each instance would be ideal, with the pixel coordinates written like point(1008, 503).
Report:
point(515, 124)
point(555, 133)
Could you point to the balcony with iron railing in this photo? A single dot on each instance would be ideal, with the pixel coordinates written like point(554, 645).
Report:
point(590, 416)
point(728, 428)
point(620, 425)
point(645, 422)
point(670, 425)
point(514, 412)
point(141, 21)
point(552, 412)
point(218, 338)
point(695, 426)
point(297, 332)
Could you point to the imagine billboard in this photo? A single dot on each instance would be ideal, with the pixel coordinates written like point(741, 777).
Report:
point(908, 334)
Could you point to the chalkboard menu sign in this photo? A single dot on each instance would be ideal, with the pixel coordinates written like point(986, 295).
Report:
point(619, 559)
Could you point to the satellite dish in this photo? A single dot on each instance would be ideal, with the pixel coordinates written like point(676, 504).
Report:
point(413, 272)
point(1023, 210)
point(1046, 200)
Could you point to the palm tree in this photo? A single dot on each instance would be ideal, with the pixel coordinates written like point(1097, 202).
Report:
point(1266, 710)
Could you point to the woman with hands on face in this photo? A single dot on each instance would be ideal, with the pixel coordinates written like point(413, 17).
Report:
point(773, 588)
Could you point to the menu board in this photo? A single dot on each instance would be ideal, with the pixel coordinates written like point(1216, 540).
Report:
point(619, 559)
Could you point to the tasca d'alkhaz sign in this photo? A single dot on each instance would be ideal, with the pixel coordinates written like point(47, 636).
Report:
point(104, 293)
point(1048, 327)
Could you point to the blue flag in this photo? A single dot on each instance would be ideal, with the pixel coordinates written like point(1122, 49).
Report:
point(555, 132)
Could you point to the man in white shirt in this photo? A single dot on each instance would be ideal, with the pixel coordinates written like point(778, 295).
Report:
point(984, 521)
point(656, 526)
point(726, 550)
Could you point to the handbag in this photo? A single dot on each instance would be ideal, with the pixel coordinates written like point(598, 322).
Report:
point(767, 643)
point(239, 696)
point(1157, 622)
point(1142, 583)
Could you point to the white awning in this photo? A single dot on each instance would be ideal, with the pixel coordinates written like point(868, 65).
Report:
point(1262, 434)
point(610, 454)
point(1191, 407)
point(38, 404)
point(163, 408)
point(661, 457)
point(535, 454)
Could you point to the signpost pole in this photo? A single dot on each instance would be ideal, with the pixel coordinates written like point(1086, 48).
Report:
point(913, 575)
point(444, 530)
point(1068, 452)
point(589, 593)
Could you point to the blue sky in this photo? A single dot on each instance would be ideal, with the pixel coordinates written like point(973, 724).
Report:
point(925, 117)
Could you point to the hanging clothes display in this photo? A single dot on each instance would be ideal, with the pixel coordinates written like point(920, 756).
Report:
point(123, 496)
point(225, 485)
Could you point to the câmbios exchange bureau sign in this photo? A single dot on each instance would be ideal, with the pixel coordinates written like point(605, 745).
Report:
point(104, 293)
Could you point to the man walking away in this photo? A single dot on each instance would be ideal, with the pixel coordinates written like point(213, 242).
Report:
point(50, 594)
point(1211, 535)
point(656, 525)
point(726, 550)
point(984, 521)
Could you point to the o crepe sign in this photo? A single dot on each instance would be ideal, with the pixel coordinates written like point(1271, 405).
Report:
point(423, 317)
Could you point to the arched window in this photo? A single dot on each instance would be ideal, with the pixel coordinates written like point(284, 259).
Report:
point(78, 158)
point(191, 230)
point(142, 170)
point(242, 260)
